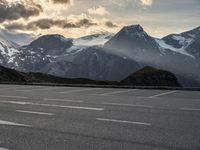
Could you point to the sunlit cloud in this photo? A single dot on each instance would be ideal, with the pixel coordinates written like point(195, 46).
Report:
point(74, 18)
point(99, 10)
point(147, 2)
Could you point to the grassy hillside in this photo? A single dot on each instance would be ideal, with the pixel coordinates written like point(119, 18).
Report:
point(11, 75)
point(149, 76)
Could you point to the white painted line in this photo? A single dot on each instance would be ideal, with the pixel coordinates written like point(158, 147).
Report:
point(63, 100)
point(7, 96)
point(118, 92)
point(122, 121)
point(6, 88)
point(51, 105)
point(15, 102)
point(49, 88)
point(166, 93)
point(2, 148)
point(2, 122)
point(33, 112)
point(23, 90)
point(71, 107)
point(81, 90)
point(17, 87)
point(129, 105)
point(190, 109)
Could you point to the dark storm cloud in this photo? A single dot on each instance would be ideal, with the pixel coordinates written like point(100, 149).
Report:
point(61, 1)
point(110, 24)
point(16, 11)
point(49, 23)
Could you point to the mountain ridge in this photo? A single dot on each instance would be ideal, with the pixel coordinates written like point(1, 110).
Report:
point(130, 49)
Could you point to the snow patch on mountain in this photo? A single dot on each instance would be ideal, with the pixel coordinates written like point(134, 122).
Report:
point(7, 49)
point(192, 35)
point(92, 40)
point(181, 50)
point(185, 42)
point(75, 49)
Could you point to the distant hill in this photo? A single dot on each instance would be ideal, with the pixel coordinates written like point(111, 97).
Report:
point(149, 76)
point(11, 75)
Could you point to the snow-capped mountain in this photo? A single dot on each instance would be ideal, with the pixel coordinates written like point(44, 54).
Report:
point(133, 42)
point(187, 43)
point(8, 50)
point(122, 54)
point(94, 39)
point(56, 55)
point(42, 51)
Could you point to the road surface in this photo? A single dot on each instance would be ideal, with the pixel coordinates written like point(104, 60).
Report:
point(73, 118)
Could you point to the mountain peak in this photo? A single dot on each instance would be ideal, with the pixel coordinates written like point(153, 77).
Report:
point(53, 36)
point(52, 41)
point(134, 30)
point(134, 27)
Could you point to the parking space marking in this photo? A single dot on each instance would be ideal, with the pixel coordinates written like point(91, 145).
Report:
point(19, 87)
point(2, 148)
point(118, 92)
point(49, 88)
point(34, 112)
point(81, 90)
point(10, 88)
point(24, 90)
point(129, 105)
point(2, 122)
point(53, 105)
point(123, 121)
point(190, 109)
point(63, 100)
point(165, 93)
point(8, 96)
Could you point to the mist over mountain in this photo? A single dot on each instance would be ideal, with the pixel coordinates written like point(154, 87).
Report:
point(94, 39)
point(135, 43)
point(18, 38)
point(106, 56)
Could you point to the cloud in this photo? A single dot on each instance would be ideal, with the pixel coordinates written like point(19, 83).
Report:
point(47, 24)
point(17, 10)
point(50, 23)
point(61, 1)
point(147, 2)
point(110, 24)
point(100, 10)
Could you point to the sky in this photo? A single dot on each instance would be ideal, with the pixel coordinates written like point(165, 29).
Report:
point(76, 18)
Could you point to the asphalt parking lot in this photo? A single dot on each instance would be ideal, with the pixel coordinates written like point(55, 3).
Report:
point(78, 118)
